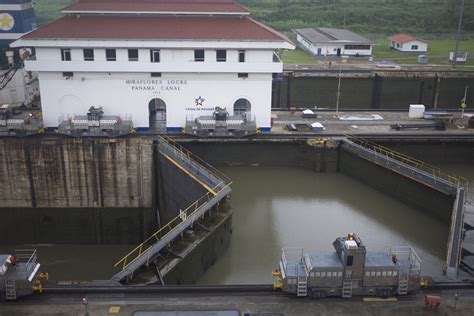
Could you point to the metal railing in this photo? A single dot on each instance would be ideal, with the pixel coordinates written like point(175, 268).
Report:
point(433, 171)
point(407, 255)
point(192, 160)
point(189, 213)
point(28, 257)
point(291, 258)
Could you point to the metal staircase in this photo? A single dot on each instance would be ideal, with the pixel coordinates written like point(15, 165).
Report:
point(402, 284)
point(217, 185)
point(10, 289)
point(302, 289)
point(347, 288)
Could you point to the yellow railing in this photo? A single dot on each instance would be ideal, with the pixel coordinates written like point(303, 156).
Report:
point(190, 212)
point(182, 152)
point(418, 164)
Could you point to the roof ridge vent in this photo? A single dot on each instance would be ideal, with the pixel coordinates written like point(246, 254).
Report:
point(327, 34)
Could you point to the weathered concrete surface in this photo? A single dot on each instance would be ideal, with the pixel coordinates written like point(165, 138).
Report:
point(204, 252)
point(435, 152)
point(69, 172)
point(76, 225)
point(317, 155)
point(79, 191)
point(377, 90)
point(411, 192)
point(177, 190)
point(254, 304)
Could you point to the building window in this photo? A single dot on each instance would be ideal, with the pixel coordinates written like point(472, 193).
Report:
point(414, 47)
point(350, 261)
point(133, 54)
point(353, 47)
point(241, 56)
point(68, 75)
point(110, 54)
point(88, 54)
point(66, 54)
point(221, 55)
point(199, 55)
point(156, 74)
point(155, 55)
point(242, 75)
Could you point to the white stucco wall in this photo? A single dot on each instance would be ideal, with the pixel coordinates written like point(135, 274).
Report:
point(330, 49)
point(124, 94)
point(124, 87)
point(406, 47)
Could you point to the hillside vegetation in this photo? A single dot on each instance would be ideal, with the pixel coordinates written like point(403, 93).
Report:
point(364, 16)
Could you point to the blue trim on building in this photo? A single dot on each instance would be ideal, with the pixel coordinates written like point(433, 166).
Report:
point(15, 1)
point(265, 129)
point(174, 129)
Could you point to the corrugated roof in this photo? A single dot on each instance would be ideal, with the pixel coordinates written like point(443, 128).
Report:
point(156, 28)
point(330, 35)
point(216, 6)
point(403, 38)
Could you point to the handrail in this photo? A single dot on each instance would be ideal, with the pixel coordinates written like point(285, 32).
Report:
point(434, 171)
point(172, 225)
point(183, 152)
point(189, 212)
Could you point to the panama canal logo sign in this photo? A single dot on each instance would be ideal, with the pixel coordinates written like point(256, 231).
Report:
point(200, 101)
point(6, 22)
point(199, 105)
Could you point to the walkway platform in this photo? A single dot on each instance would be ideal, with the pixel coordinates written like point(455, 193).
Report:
point(218, 187)
point(427, 175)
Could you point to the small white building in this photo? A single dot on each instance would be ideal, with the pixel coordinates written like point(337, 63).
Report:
point(162, 62)
point(408, 44)
point(324, 41)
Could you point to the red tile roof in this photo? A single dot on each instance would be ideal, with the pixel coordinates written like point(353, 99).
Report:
point(156, 28)
point(216, 6)
point(402, 38)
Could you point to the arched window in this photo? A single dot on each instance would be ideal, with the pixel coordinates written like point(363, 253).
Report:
point(242, 107)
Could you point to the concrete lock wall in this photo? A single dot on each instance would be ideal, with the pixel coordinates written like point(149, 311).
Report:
point(318, 156)
point(83, 191)
point(437, 152)
point(400, 187)
point(176, 189)
point(372, 91)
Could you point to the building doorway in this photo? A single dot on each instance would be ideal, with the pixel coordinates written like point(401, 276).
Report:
point(157, 115)
point(338, 52)
point(243, 108)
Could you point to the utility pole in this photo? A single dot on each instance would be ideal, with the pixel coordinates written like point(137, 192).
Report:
point(458, 36)
point(338, 95)
point(464, 101)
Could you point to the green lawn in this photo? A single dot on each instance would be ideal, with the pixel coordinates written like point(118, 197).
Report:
point(438, 52)
point(297, 56)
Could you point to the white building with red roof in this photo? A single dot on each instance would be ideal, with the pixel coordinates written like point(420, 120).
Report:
point(407, 44)
point(160, 61)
